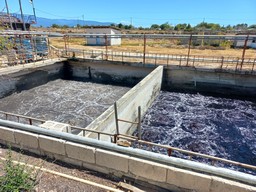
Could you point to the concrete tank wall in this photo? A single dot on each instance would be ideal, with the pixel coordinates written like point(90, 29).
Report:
point(108, 72)
point(143, 95)
point(23, 77)
point(209, 81)
point(113, 163)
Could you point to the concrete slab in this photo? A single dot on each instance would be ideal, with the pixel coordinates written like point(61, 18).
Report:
point(26, 139)
point(112, 160)
point(188, 180)
point(80, 152)
point(224, 185)
point(56, 126)
point(147, 169)
point(52, 145)
point(7, 135)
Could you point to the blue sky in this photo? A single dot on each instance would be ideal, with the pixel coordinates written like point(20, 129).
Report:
point(143, 12)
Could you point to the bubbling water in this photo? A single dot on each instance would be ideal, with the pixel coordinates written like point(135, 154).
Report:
point(220, 127)
point(76, 103)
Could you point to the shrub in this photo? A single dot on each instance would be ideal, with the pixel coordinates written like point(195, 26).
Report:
point(17, 177)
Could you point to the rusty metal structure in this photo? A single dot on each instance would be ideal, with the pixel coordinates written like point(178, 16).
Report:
point(137, 142)
point(237, 64)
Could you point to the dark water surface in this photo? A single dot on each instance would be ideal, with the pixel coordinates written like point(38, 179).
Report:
point(220, 127)
point(76, 103)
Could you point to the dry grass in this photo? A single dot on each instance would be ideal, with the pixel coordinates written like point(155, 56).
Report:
point(159, 46)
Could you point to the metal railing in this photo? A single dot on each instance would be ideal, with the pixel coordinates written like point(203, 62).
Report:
point(133, 139)
point(236, 64)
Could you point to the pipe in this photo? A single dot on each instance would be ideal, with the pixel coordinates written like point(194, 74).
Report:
point(155, 157)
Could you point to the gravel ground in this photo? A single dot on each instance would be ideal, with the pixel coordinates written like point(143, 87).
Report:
point(51, 183)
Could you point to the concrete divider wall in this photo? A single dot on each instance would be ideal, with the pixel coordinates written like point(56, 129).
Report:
point(175, 179)
point(143, 94)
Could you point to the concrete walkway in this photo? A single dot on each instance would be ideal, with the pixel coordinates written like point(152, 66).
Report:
point(19, 67)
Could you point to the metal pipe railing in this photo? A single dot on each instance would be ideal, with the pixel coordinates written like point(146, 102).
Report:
point(115, 137)
point(161, 59)
point(160, 158)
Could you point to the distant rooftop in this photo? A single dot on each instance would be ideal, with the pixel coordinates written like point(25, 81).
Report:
point(102, 27)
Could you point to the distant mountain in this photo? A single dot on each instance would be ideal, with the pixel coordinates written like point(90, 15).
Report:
point(45, 22)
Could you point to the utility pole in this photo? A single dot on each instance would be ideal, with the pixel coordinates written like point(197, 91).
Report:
point(202, 43)
point(22, 17)
point(83, 20)
point(6, 5)
point(32, 2)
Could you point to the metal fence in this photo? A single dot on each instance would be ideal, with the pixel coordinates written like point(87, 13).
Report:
point(220, 63)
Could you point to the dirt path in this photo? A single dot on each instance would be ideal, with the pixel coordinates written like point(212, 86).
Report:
point(52, 183)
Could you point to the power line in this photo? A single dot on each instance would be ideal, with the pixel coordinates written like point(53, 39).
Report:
point(58, 15)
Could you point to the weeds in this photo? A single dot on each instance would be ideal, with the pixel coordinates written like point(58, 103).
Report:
point(17, 177)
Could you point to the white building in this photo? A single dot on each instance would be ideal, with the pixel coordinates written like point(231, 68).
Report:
point(101, 41)
point(251, 43)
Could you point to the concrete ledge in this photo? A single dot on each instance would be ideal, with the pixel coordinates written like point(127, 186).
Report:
point(224, 185)
point(80, 152)
point(112, 160)
point(52, 145)
point(147, 169)
point(7, 135)
point(26, 140)
point(188, 180)
point(106, 161)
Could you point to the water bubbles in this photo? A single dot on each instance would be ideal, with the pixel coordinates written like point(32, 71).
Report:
point(220, 127)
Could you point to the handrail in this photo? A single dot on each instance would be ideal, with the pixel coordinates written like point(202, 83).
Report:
point(190, 153)
point(130, 138)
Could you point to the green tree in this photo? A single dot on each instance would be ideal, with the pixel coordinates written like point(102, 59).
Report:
point(55, 26)
point(165, 26)
point(252, 26)
point(179, 27)
point(241, 26)
point(229, 27)
point(65, 26)
point(189, 28)
point(120, 26)
point(155, 26)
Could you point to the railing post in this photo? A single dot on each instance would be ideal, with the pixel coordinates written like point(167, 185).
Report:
point(190, 39)
point(144, 50)
point(245, 45)
point(169, 151)
point(116, 118)
point(253, 65)
point(222, 62)
point(139, 123)
point(65, 41)
point(106, 45)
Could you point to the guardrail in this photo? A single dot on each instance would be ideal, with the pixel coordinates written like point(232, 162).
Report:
point(137, 143)
point(236, 64)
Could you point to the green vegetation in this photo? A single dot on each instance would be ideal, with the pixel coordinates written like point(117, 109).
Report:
point(17, 177)
point(203, 26)
point(5, 43)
